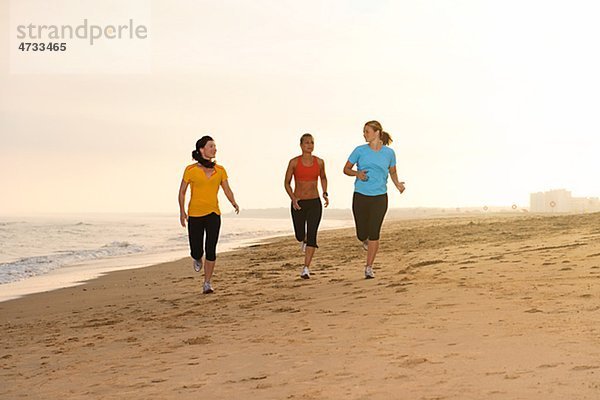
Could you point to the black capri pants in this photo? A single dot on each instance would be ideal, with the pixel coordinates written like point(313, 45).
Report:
point(307, 220)
point(368, 215)
point(197, 226)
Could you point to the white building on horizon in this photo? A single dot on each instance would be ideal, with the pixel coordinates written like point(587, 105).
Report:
point(561, 201)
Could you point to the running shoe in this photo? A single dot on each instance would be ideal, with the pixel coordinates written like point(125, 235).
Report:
point(365, 245)
point(207, 288)
point(305, 273)
point(369, 273)
point(197, 265)
point(303, 247)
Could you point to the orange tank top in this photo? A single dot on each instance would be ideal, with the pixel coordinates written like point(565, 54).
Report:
point(304, 173)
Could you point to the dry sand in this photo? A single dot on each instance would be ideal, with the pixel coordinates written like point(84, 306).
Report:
point(461, 308)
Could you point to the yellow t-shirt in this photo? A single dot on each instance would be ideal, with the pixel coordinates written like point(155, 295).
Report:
point(204, 190)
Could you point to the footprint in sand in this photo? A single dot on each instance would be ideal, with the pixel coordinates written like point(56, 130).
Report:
point(533, 310)
point(198, 340)
point(584, 367)
point(194, 386)
point(546, 366)
point(413, 362)
point(286, 310)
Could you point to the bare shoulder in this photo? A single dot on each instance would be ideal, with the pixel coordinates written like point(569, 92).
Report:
point(293, 162)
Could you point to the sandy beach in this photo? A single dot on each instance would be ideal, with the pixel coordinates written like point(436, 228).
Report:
point(472, 307)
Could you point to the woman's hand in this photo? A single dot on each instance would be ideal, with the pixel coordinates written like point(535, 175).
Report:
point(295, 204)
point(326, 198)
point(237, 208)
point(362, 175)
point(400, 187)
point(183, 218)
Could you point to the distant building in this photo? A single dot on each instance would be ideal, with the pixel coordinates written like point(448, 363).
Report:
point(561, 201)
point(585, 204)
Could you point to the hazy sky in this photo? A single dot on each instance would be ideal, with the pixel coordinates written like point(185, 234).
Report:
point(487, 101)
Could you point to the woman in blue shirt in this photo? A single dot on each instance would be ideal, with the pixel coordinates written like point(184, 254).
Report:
point(374, 161)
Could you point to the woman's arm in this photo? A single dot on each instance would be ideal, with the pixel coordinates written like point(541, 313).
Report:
point(323, 177)
point(229, 195)
point(287, 183)
point(182, 215)
point(362, 175)
point(394, 176)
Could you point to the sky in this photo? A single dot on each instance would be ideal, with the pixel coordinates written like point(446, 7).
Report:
point(487, 102)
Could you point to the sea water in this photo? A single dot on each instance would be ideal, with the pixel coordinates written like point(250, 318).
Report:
point(44, 253)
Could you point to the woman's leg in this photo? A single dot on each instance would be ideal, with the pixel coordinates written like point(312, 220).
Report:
point(213, 226)
point(372, 249)
point(360, 211)
point(378, 208)
point(314, 213)
point(196, 237)
point(299, 221)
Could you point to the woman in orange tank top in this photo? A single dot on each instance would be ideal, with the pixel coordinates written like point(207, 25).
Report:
point(306, 205)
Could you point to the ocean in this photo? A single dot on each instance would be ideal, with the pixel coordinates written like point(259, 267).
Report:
point(45, 253)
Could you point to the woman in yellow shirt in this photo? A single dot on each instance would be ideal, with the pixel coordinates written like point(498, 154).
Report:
point(204, 215)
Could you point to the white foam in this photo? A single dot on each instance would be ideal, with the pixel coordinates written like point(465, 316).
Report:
point(40, 265)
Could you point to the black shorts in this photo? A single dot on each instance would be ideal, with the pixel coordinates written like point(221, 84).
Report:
point(201, 228)
point(368, 215)
point(307, 220)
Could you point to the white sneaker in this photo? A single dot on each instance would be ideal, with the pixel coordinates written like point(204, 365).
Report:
point(365, 245)
point(207, 288)
point(197, 265)
point(303, 247)
point(305, 273)
point(369, 273)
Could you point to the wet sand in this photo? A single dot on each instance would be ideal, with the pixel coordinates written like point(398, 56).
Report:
point(495, 307)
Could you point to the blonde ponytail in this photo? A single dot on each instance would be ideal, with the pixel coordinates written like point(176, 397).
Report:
point(386, 138)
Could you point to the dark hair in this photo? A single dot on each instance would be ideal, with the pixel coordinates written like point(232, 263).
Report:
point(306, 135)
point(196, 155)
point(386, 138)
